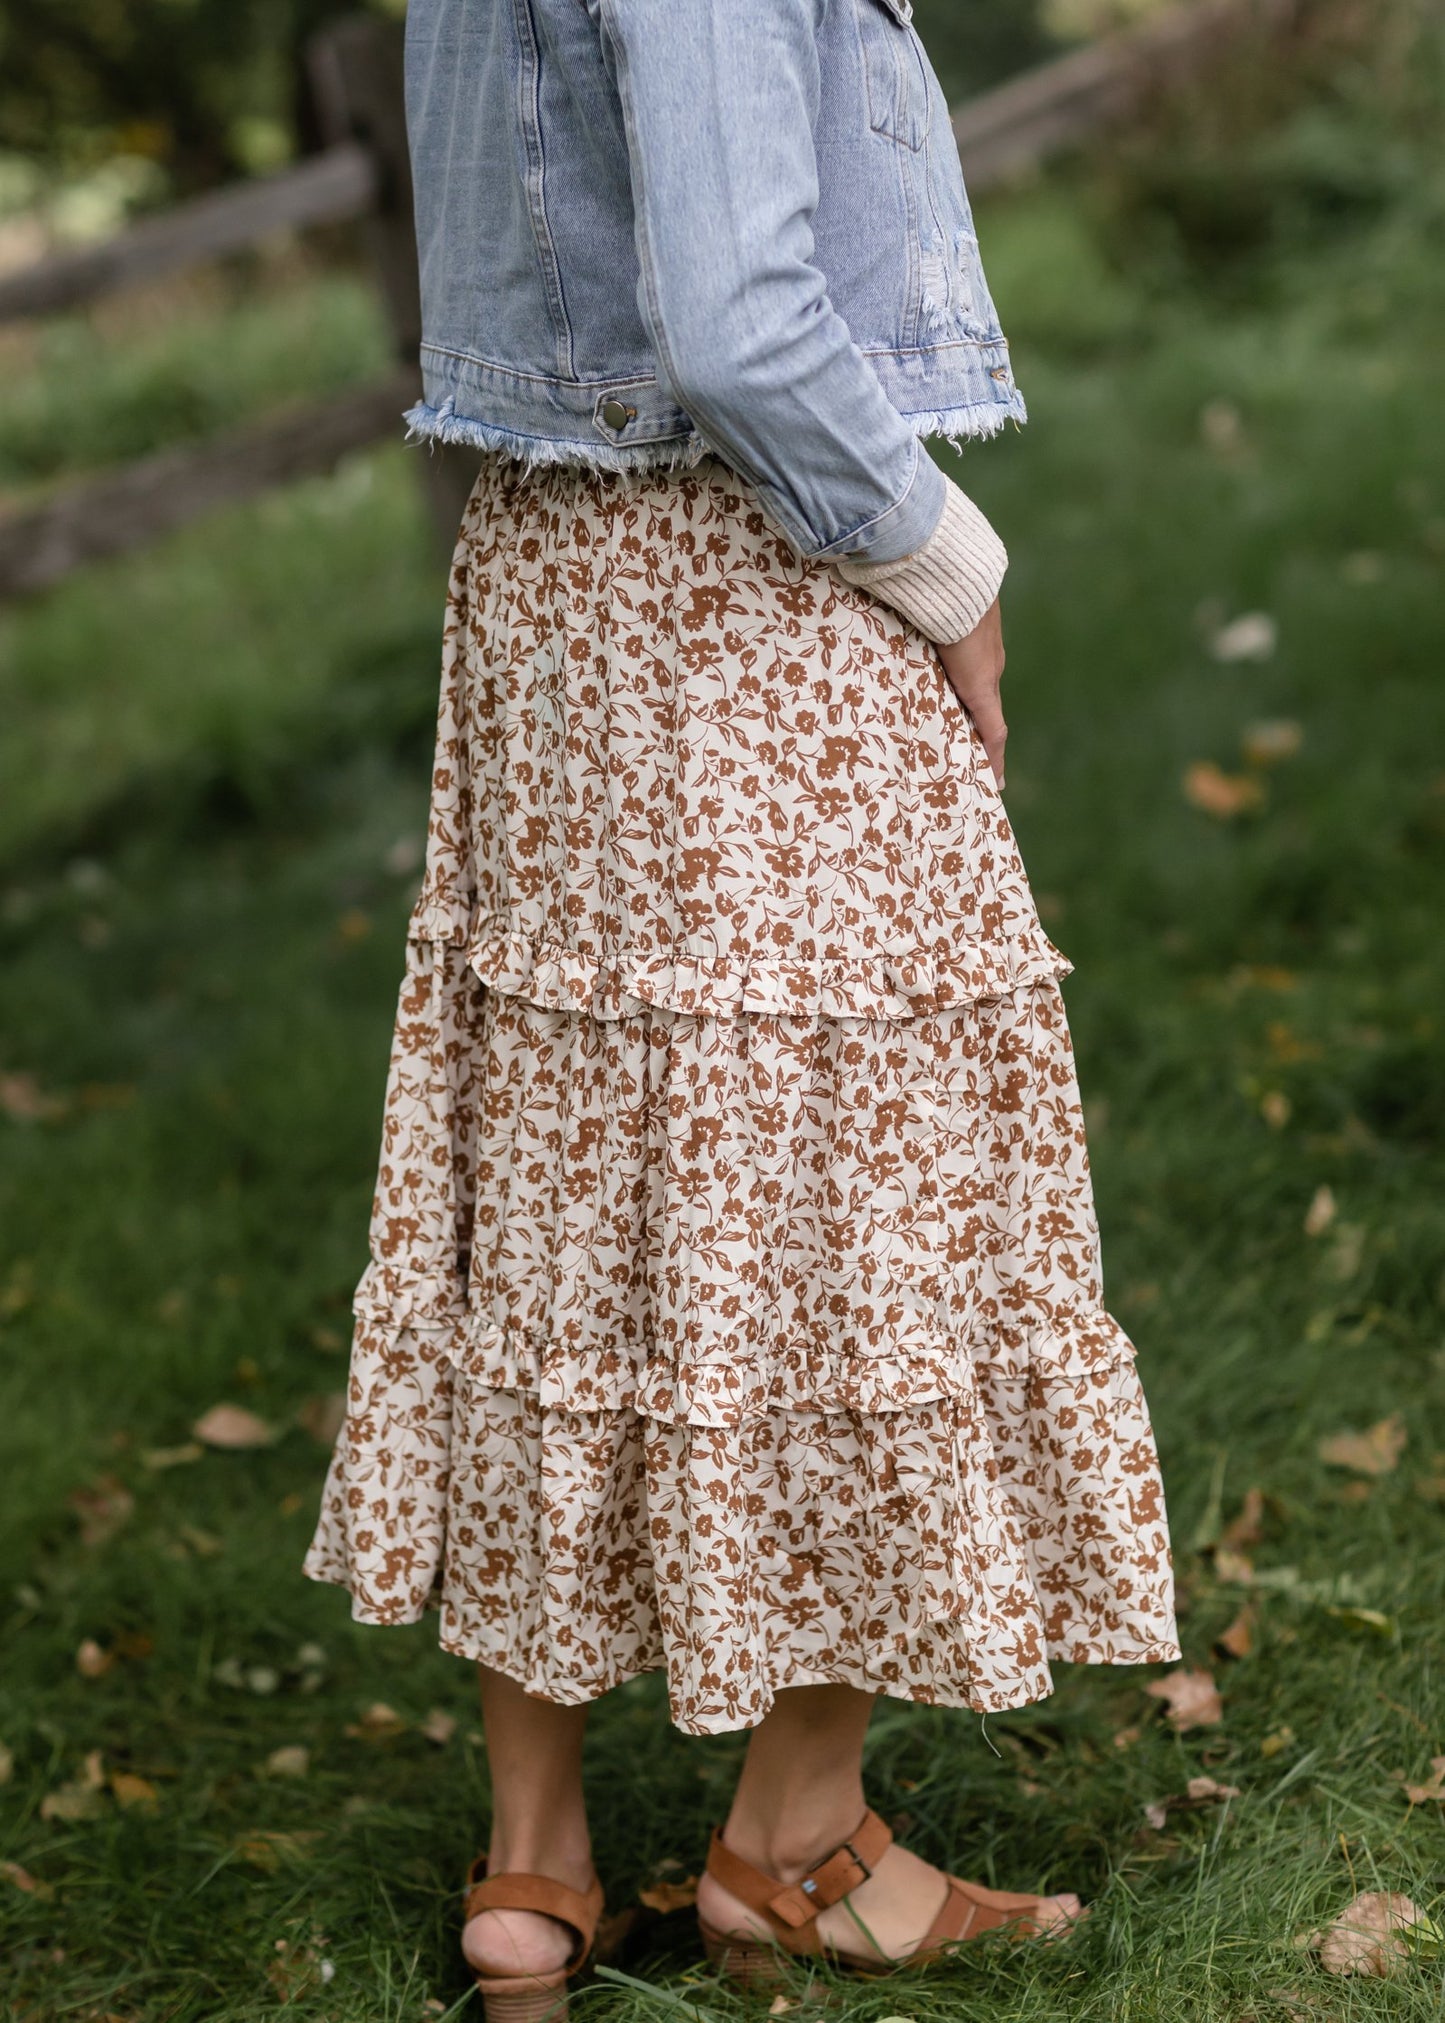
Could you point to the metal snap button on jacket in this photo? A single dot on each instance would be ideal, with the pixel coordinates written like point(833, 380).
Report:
point(616, 415)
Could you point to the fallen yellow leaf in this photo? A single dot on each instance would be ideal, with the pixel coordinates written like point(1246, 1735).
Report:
point(172, 1457)
point(1273, 1744)
point(378, 1723)
point(1373, 1452)
point(232, 1426)
point(82, 1798)
point(1223, 795)
point(1201, 1791)
point(132, 1790)
point(1364, 1619)
point(1269, 742)
point(1192, 1699)
point(1251, 636)
point(1432, 1792)
point(91, 1661)
point(1373, 1934)
point(1320, 1213)
point(292, 1760)
point(666, 1897)
point(1232, 1566)
point(12, 1872)
point(1238, 1640)
point(24, 1101)
point(268, 1850)
point(71, 1802)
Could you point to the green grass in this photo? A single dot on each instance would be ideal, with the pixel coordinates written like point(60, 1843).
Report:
point(212, 754)
point(287, 330)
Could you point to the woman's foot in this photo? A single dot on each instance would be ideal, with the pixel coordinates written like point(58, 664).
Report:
point(799, 1798)
point(527, 1942)
point(539, 1824)
point(885, 1919)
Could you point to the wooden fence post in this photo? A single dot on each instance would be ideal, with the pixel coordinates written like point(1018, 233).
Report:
point(355, 72)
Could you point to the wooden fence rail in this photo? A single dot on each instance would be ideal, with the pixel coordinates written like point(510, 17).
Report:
point(1010, 130)
point(328, 189)
point(126, 508)
point(364, 174)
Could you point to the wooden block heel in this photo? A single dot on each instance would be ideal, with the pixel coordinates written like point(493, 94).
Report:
point(541, 2001)
point(752, 1962)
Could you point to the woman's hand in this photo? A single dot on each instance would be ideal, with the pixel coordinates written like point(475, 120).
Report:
point(974, 667)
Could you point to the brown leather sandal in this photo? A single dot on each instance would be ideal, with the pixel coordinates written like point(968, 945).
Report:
point(791, 1910)
point(531, 1998)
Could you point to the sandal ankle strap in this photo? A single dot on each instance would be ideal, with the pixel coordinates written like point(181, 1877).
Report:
point(795, 1905)
point(517, 1890)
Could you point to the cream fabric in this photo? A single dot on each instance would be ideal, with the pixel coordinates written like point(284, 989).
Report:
point(734, 1302)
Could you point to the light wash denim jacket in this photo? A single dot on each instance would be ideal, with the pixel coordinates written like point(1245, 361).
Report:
point(652, 230)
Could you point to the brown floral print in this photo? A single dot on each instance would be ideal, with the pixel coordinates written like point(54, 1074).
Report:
point(734, 1300)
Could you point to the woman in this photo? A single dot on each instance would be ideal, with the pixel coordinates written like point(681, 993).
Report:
point(734, 1301)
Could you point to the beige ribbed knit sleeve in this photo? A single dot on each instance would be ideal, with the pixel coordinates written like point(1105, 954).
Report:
point(945, 586)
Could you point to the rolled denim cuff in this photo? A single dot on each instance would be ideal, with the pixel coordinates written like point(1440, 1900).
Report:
point(944, 587)
point(903, 527)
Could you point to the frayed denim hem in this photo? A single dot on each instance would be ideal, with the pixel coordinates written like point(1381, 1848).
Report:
point(961, 425)
point(956, 425)
point(439, 425)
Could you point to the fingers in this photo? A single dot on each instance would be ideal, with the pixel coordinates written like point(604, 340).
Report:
point(988, 721)
point(974, 667)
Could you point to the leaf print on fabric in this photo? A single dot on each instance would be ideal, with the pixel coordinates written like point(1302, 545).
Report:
point(734, 1301)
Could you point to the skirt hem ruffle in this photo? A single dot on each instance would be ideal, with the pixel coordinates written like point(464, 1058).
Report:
point(987, 1506)
point(581, 1689)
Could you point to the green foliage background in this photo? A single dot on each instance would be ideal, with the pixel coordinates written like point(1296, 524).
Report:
point(212, 88)
point(191, 83)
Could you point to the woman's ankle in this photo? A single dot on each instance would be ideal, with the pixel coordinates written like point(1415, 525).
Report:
point(788, 1838)
point(564, 1854)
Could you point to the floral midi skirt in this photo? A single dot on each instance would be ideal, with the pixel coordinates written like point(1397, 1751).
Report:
point(734, 1302)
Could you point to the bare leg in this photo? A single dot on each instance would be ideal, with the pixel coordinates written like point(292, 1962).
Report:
point(539, 1822)
point(799, 1796)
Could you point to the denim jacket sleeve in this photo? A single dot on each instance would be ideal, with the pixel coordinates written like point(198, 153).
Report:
point(718, 101)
